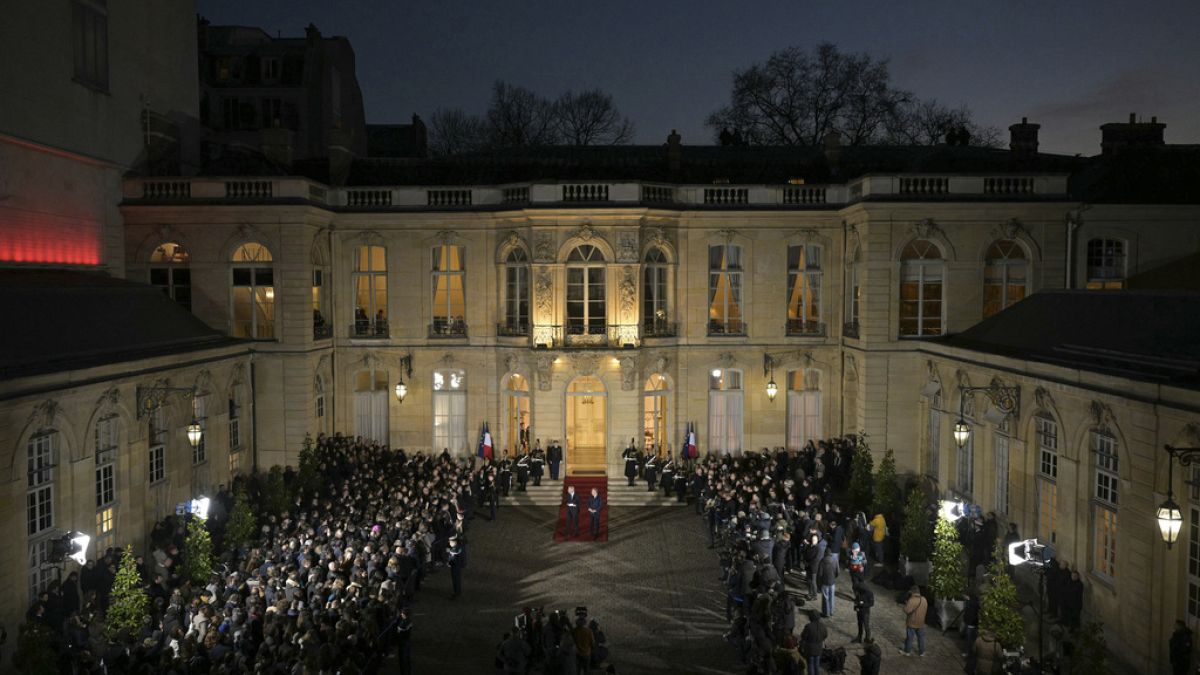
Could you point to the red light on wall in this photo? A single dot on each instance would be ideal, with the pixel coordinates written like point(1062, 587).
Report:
point(50, 243)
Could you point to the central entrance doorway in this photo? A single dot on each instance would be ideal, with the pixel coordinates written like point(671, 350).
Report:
point(587, 423)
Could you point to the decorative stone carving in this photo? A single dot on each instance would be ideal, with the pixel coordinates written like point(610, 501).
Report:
point(807, 236)
point(371, 361)
point(660, 364)
point(543, 247)
point(1009, 229)
point(1101, 414)
point(726, 360)
point(1044, 400)
point(926, 229)
point(853, 243)
point(237, 375)
point(585, 231)
point(370, 238)
point(544, 365)
point(628, 291)
point(203, 381)
point(627, 248)
point(111, 397)
point(586, 364)
point(727, 235)
point(513, 240)
point(544, 287)
point(1191, 432)
point(628, 373)
point(511, 362)
point(447, 237)
point(44, 413)
point(655, 236)
point(447, 360)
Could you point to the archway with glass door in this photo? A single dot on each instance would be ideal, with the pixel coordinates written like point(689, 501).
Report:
point(655, 417)
point(517, 415)
point(587, 422)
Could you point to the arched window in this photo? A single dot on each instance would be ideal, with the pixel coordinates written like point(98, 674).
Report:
point(587, 309)
point(1045, 431)
point(516, 293)
point(655, 418)
point(656, 306)
point(1106, 263)
point(725, 410)
point(803, 407)
point(516, 414)
point(804, 291)
point(725, 290)
point(370, 292)
point(449, 292)
point(921, 272)
point(450, 411)
point(1004, 276)
point(41, 453)
point(169, 271)
point(371, 405)
point(1104, 502)
point(105, 437)
point(253, 305)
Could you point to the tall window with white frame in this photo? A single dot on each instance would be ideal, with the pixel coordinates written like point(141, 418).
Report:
point(449, 292)
point(921, 272)
point(803, 407)
point(1104, 503)
point(41, 458)
point(449, 411)
point(321, 327)
point(965, 464)
point(106, 435)
point(517, 413)
point(370, 292)
point(371, 390)
point(1004, 276)
point(804, 291)
point(158, 437)
point(253, 304)
point(1000, 446)
point(1045, 430)
point(89, 42)
point(319, 404)
point(516, 293)
point(235, 417)
point(1193, 566)
point(725, 290)
point(656, 399)
point(200, 408)
point(725, 410)
point(853, 295)
point(587, 306)
point(1106, 263)
point(935, 434)
point(169, 271)
point(656, 306)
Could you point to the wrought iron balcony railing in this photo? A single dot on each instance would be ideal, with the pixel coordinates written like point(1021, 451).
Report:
point(850, 329)
point(453, 327)
point(802, 328)
point(366, 329)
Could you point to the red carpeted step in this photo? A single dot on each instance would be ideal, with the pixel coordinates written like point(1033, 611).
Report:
point(583, 488)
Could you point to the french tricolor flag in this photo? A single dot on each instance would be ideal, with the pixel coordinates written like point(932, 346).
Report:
point(691, 443)
point(487, 442)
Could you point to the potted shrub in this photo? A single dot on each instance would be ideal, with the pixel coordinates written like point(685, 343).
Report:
point(947, 573)
point(916, 539)
point(887, 489)
point(861, 479)
point(999, 608)
point(128, 601)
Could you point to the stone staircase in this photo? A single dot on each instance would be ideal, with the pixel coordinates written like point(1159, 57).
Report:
point(549, 493)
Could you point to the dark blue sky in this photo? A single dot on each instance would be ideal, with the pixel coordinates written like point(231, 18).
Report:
point(1070, 65)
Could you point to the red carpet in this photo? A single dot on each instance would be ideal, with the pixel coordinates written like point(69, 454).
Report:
point(583, 488)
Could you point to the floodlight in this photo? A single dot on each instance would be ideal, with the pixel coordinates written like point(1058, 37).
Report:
point(79, 545)
point(199, 507)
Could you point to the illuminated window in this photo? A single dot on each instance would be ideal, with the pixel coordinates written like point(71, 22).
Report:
point(1004, 276)
point(1046, 435)
point(725, 410)
point(371, 392)
point(655, 419)
point(1105, 263)
point(253, 305)
point(449, 411)
point(725, 290)
point(517, 412)
point(804, 291)
point(587, 309)
point(105, 518)
point(89, 42)
point(803, 407)
point(449, 291)
point(106, 458)
point(656, 308)
point(516, 293)
point(921, 273)
point(1104, 503)
point(169, 271)
point(41, 455)
point(370, 292)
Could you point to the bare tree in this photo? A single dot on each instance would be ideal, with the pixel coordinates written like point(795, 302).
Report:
point(519, 117)
point(453, 131)
point(590, 118)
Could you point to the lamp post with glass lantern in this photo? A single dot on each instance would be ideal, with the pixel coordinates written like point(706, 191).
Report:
point(1006, 399)
point(405, 367)
point(1170, 518)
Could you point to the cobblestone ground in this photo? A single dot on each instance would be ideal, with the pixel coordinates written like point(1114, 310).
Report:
point(653, 586)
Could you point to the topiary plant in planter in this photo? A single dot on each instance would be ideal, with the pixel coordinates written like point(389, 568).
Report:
point(128, 601)
point(887, 491)
point(947, 575)
point(1000, 609)
point(916, 538)
point(862, 483)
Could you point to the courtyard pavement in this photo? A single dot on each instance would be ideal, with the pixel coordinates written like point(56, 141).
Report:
point(653, 587)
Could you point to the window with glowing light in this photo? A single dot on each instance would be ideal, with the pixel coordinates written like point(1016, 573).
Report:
point(655, 418)
point(370, 292)
point(169, 271)
point(587, 309)
point(921, 273)
point(253, 302)
point(450, 411)
point(656, 306)
point(803, 407)
point(1104, 503)
point(725, 290)
point(449, 291)
point(371, 392)
point(105, 438)
point(804, 290)
point(516, 292)
point(1106, 263)
point(725, 411)
point(1004, 276)
point(1046, 436)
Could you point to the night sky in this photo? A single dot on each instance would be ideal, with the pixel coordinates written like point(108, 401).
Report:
point(1069, 65)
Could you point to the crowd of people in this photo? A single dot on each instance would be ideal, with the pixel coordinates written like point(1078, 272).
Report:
point(554, 644)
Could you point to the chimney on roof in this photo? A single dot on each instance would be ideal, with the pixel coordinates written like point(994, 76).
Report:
point(341, 156)
point(275, 142)
point(1117, 136)
point(674, 152)
point(1023, 138)
point(833, 147)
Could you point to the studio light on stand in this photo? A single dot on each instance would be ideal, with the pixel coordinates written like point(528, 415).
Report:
point(1035, 554)
point(79, 546)
point(199, 507)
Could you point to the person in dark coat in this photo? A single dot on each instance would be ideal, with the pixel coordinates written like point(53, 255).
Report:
point(864, 600)
point(827, 574)
point(1181, 649)
point(595, 503)
point(571, 499)
point(871, 659)
point(537, 467)
point(457, 560)
point(650, 470)
point(631, 462)
point(554, 455)
point(812, 642)
point(1072, 601)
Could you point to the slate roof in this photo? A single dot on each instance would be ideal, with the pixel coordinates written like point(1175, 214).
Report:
point(1142, 335)
point(65, 320)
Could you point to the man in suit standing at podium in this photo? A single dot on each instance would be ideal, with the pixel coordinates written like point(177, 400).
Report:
point(595, 503)
point(572, 502)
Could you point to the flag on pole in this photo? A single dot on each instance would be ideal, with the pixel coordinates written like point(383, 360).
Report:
point(487, 442)
point(479, 449)
point(691, 442)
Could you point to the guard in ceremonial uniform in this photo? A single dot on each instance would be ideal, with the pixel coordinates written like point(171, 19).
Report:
point(505, 475)
point(651, 471)
point(554, 455)
point(668, 475)
point(457, 561)
point(631, 462)
point(681, 486)
point(522, 472)
point(537, 466)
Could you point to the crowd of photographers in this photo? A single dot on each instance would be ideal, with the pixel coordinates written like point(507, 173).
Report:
point(556, 644)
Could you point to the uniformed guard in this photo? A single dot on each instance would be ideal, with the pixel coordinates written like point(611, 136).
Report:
point(505, 474)
point(554, 455)
point(681, 486)
point(522, 472)
point(667, 469)
point(650, 470)
point(537, 465)
point(457, 560)
point(631, 462)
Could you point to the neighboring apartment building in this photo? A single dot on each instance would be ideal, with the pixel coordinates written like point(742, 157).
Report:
point(307, 87)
